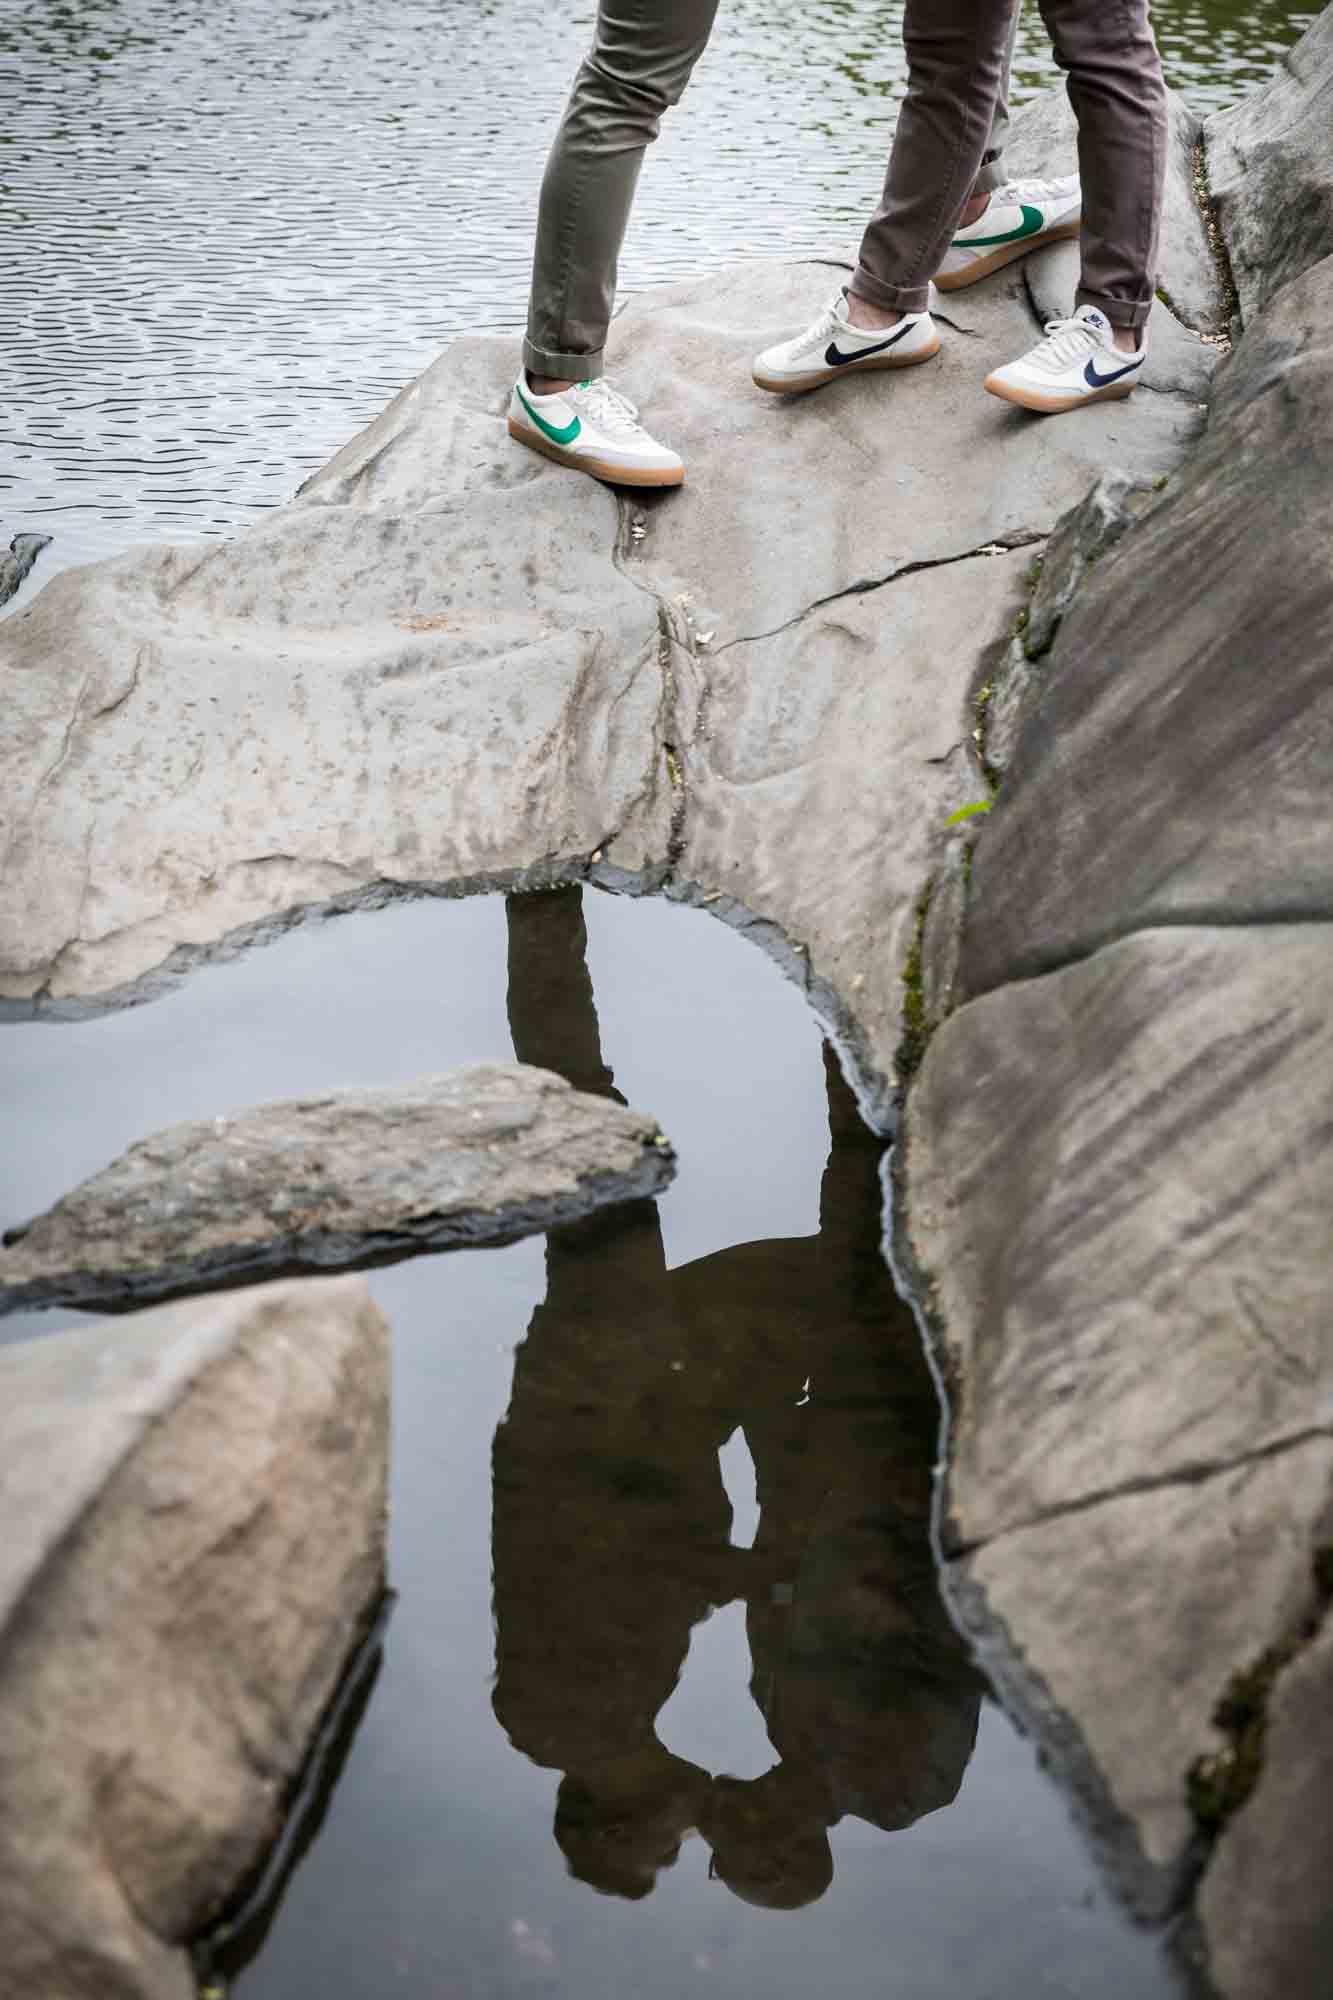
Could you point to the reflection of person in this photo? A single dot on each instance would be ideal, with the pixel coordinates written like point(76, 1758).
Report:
point(946, 213)
point(611, 1523)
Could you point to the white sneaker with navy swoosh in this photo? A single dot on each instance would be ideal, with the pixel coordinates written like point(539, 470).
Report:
point(593, 429)
point(1016, 219)
point(832, 346)
point(1078, 362)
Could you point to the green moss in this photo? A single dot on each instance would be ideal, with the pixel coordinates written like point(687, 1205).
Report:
point(1217, 1786)
point(916, 1030)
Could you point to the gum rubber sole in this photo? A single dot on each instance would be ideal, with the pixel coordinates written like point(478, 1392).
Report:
point(1005, 253)
point(804, 382)
point(612, 475)
point(1051, 406)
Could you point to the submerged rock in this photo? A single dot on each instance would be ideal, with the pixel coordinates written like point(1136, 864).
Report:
point(194, 1540)
point(14, 567)
point(480, 1155)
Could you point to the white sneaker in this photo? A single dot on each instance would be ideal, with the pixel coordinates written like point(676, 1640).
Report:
point(1078, 362)
point(594, 429)
point(832, 346)
point(1018, 218)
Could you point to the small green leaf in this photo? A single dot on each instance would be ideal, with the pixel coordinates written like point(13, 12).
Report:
point(969, 812)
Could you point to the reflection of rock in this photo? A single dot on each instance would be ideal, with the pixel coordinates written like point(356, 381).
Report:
point(1270, 170)
point(611, 1532)
point(194, 1536)
point(481, 1155)
point(449, 664)
point(1118, 1168)
point(14, 567)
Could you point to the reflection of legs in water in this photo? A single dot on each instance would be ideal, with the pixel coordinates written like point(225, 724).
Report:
point(864, 1685)
point(610, 1519)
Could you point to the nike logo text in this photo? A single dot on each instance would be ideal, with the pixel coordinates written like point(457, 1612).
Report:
point(835, 359)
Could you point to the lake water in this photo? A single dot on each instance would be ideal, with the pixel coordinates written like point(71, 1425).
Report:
point(668, 1702)
point(234, 228)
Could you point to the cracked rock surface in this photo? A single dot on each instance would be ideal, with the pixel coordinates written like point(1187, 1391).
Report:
point(1117, 1169)
point(194, 1506)
point(449, 665)
point(481, 1155)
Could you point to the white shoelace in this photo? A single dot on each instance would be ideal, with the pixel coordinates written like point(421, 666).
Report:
point(606, 406)
point(1016, 190)
point(1067, 340)
point(832, 320)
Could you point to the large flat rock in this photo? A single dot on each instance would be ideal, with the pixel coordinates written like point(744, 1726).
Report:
point(1116, 1630)
point(1176, 766)
point(1120, 1178)
point(481, 1155)
point(1270, 171)
point(194, 1537)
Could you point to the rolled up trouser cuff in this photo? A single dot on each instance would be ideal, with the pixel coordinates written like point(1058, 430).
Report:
point(889, 298)
point(1120, 312)
point(563, 367)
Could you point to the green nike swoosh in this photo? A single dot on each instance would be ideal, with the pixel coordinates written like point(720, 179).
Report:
point(558, 433)
point(1031, 223)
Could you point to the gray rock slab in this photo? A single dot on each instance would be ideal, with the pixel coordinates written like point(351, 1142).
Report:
point(1270, 170)
point(480, 1155)
point(821, 771)
point(427, 674)
point(1043, 139)
point(194, 1537)
point(863, 479)
point(1265, 1904)
point(1119, 1181)
point(1116, 1629)
point(15, 566)
point(1176, 765)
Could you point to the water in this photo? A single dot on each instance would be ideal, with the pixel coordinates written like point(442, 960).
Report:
point(668, 1702)
point(233, 231)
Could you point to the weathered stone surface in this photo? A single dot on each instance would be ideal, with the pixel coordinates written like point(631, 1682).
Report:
point(1177, 764)
point(1120, 1178)
point(1130, 1618)
point(480, 1155)
point(194, 1535)
point(426, 673)
point(1081, 539)
point(1270, 171)
point(1265, 1903)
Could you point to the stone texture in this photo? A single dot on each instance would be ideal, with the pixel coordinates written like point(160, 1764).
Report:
point(194, 1506)
point(1130, 1618)
point(1120, 1178)
point(1270, 171)
point(427, 673)
point(1265, 1904)
point(1081, 539)
point(1176, 765)
point(480, 1155)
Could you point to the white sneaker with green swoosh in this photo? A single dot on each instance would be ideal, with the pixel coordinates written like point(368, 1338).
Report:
point(594, 429)
point(1017, 218)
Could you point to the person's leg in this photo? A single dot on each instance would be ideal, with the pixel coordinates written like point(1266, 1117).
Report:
point(991, 176)
point(1115, 85)
point(642, 54)
point(957, 54)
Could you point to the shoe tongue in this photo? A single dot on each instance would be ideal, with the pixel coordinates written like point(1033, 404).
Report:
point(1098, 321)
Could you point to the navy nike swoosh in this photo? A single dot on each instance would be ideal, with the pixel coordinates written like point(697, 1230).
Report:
point(1096, 381)
point(835, 360)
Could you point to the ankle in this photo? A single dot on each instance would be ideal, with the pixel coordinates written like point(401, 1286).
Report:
point(547, 385)
point(1126, 339)
point(869, 317)
point(973, 209)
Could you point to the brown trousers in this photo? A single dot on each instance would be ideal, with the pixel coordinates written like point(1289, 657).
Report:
point(949, 142)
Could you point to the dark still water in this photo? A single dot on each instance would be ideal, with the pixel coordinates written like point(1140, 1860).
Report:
point(234, 228)
point(668, 1703)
